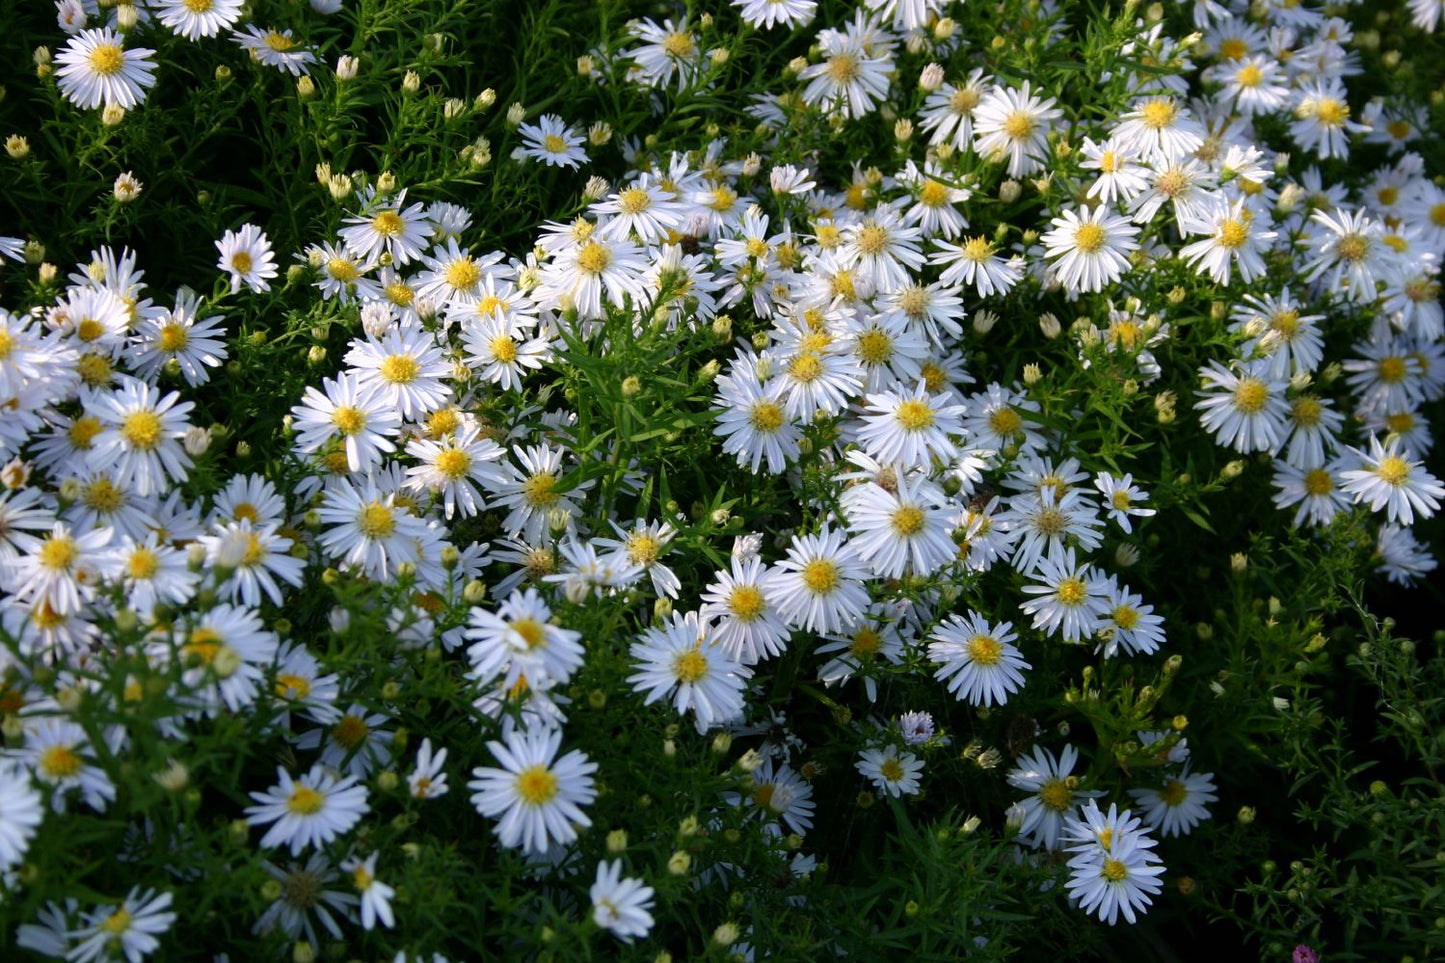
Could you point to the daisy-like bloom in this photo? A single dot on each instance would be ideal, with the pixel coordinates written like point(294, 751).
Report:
point(752, 423)
point(256, 556)
point(1114, 868)
point(995, 420)
point(1388, 375)
point(502, 350)
point(934, 199)
point(1314, 493)
point(520, 641)
point(905, 530)
point(910, 428)
point(780, 795)
point(1015, 123)
point(1047, 519)
point(891, 771)
point(975, 262)
point(644, 209)
point(666, 51)
point(304, 891)
point(141, 435)
point(246, 256)
point(581, 273)
point(538, 796)
point(769, 13)
point(20, 814)
point(1129, 625)
point(454, 274)
point(850, 81)
point(372, 531)
point(194, 19)
point(151, 572)
point(195, 345)
point(58, 569)
point(621, 906)
point(275, 48)
point(643, 547)
point(948, 112)
point(356, 415)
point(130, 929)
point(552, 142)
point(1278, 328)
point(428, 780)
point(916, 727)
point(1254, 83)
point(822, 589)
point(357, 743)
point(1314, 429)
point(1092, 251)
point(881, 249)
point(1179, 805)
point(1349, 253)
point(1070, 600)
point(224, 658)
point(685, 658)
point(58, 752)
point(310, 811)
point(978, 661)
point(1120, 177)
point(454, 466)
point(1121, 499)
point(375, 895)
point(95, 69)
point(1244, 409)
point(1233, 239)
point(741, 606)
point(1322, 118)
point(405, 368)
point(861, 649)
point(1159, 130)
point(1054, 793)
point(1390, 480)
point(530, 491)
point(388, 226)
point(249, 498)
point(299, 685)
point(1187, 185)
point(22, 510)
point(1403, 560)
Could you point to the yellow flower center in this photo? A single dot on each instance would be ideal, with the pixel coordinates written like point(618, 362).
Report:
point(342, 269)
point(463, 274)
point(400, 294)
point(1056, 795)
point(678, 45)
point(1392, 370)
point(535, 785)
point(1286, 322)
point(350, 732)
point(1018, 125)
point(388, 224)
point(58, 553)
point(1232, 234)
point(642, 548)
point(279, 42)
point(116, 923)
point(1072, 591)
point(503, 348)
point(1317, 482)
point(820, 576)
point(746, 602)
point(765, 417)
point(399, 369)
point(914, 415)
point(964, 100)
point(1089, 237)
point(908, 520)
point(142, 564)
point(142, 430)
point(533, 633)
point(305, 801)
point(102, 495)
point(1120, 500)
point(1306, 411)
point(376, 521)
point(977, 249)
point(1126, 617)
point(198, 6)
point(107, 59)
point(1173, 793)
point(292, 687)
point(723, 198)
point(1352, 247)
point(94, 369)
point(985, 650)
point(1233, 48)
point(1158, 114)
point(89, 329)
point(1400, 422)
point(690, 666)
point(871, 239)
point(842, 68)
point(875, 346)
point(1393, 470)
point(1331, 112)
point(453, 463)
point(1172, 182)
point(173, 337)
point(241, 262)
point(1005, 422)
point(1249, 76)
point(539, 489)
point(634, 200)
point(1387, 196)
point(1251, 395)
point(59, 762)
point(805, 368)
point(1114, 871)
point(892, 770)
point(933, 194)
point(594, 258)
point(348, 420)
point(553, 144)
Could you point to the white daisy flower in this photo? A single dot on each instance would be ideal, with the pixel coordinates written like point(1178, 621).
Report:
point(1322, 118)
point(275, 48)
point(372, 531)
point(1129, 624)
point(194, 344)
point(246, 256)
point(850, 82)
point(745, 617)
point(1179, 805)
point(1114, 868)
point(453, 468)
point(538, 797)
point(130, 929)
point(948, 112)
point(346, 410)
point(387, 226)
point(1014, 122)
point(21, 813)
point(1121, 498)
point(891, 771)
point(375, 895)
point(1071, 599)
point(1054, 794)
point(95, 69)
point(405, 369)
point(978, 662)
point(194, 19)
point(975, 262)
point(1349, 254)
point(1244, 409)
point(1233, 239)
point(861, 649)
point(902, 531)
point(685, 659)
point(58, 752)
point(910, 428)
point(310, 811)
point(1403, 559)
point(1092, 251)
point(552, 142)
point(428, 780)
point(882, 249)
point(821, 589)
point(58, 569)
point(224, 658)
point(520, 643)
point(1159, 130)
point(753, 425)
point(1121, 176)
point(502, 351)
point(580, 274)
point(621, 906)
point(1277, 328)
point(305, 891)
point(1389, 480)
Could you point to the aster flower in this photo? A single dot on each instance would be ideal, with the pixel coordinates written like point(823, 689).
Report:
point(1389, 480)
point(978, 661)
point(1015, 123)
point(1091, 250)
point(194, 19)
point(536, 797)
point(745, 617)
point(1245, 408)
point(1176, 807)
point(246, 256)
point(1054, 794)
point(130, 929)
point(910, 428)
point(95, 69)
point(684, 659)
point(891, 771)
point(621, 906)
point(275, 48)
point(1113, 868)
point(552, 142)
point(821, 589)
point(1069, 600)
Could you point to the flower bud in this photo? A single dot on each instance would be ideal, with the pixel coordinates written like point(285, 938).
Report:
point(346, 67)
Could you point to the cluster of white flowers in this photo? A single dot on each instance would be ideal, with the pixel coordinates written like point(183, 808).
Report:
point(928, 467)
